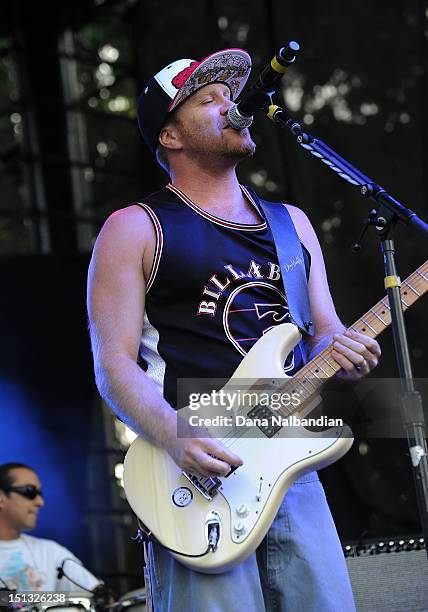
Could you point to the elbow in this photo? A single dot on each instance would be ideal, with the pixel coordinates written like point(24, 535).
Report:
point(103, 377)
point(101, 380)
point(111, 370)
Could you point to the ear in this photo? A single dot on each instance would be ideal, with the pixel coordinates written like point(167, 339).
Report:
point(169, 137)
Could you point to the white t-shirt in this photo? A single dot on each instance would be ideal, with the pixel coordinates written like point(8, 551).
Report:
point(30, 564)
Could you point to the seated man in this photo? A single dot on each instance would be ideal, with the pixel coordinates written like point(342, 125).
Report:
point(28, 563)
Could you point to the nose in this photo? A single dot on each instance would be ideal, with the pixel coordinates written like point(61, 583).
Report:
point(226, 105)
point(39, 501)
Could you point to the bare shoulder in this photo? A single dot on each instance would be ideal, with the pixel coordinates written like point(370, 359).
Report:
point(129, 225)
point(127, 239)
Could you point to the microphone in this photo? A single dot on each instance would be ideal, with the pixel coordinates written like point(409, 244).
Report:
point(61, 573)
point(240, 116)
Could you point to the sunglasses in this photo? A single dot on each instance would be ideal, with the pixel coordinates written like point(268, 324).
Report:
point(28, 491)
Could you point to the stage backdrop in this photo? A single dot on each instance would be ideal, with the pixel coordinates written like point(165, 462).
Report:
point(46, 386)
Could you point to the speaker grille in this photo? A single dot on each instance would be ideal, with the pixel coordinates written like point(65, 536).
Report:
point(390, 582)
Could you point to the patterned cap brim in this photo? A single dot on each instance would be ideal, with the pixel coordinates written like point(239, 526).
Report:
point(230, 66)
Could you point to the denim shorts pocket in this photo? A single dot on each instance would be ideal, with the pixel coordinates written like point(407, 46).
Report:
point(278, 548)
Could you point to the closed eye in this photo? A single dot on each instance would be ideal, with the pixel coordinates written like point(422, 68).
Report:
point(220, 97)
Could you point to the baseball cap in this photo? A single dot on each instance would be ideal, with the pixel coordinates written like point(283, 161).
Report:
point(180, 79)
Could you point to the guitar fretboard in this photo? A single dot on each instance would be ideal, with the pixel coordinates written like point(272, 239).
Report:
point(308, 381)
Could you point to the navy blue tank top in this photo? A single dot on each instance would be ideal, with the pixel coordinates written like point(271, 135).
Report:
point(213, 290)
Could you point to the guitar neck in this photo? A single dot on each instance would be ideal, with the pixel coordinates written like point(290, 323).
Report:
point(322, 367)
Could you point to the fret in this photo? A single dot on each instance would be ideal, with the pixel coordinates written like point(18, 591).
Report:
point(412, 288)
point(402, 300)
point(386, 305)
point(307, 379)
point(320, 367)
point(303, 392)
point(315, 374)
point(378, 316)
point(327, 362)
point(291, 387)
point(368, 325)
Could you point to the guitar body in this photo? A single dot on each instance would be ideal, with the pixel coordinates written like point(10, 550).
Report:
point(246, 503)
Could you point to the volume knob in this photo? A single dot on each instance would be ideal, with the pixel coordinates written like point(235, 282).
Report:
point(242, 510)
point(239, 527)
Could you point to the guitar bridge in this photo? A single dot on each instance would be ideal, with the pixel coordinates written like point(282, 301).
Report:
point(206, 486)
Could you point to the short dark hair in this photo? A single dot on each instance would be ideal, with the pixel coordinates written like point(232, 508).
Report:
point(6, 479)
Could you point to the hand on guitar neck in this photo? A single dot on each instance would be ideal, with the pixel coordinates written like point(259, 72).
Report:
point(356, 353)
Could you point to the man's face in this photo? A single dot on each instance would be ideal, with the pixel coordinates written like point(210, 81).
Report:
point(17, 511)
point(203, 129)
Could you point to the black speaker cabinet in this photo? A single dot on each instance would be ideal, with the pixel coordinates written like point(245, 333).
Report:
point(388, 577)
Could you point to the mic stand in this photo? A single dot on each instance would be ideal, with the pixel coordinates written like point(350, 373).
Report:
point(383, 217)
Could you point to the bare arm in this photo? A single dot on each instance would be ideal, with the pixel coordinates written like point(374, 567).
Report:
point(118, 271)
point(357, 353)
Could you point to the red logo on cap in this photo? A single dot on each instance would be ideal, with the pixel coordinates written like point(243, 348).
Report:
point(179, 80)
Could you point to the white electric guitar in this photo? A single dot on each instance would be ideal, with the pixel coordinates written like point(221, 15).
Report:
point(217, 522)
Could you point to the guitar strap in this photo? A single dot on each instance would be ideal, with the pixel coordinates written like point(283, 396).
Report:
point(291, 260)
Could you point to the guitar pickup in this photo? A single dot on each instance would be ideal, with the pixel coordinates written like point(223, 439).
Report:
point(262, 415)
